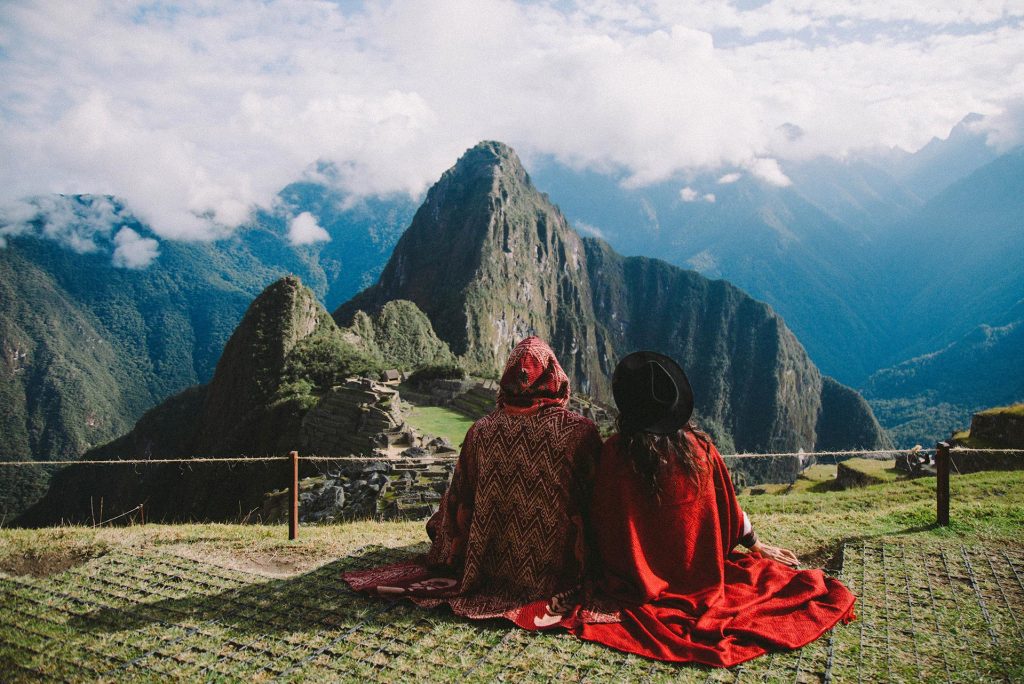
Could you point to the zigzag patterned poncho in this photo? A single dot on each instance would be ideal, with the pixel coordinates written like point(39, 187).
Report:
point(507, 540)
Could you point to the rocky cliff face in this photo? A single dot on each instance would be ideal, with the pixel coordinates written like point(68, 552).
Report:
point(490, 260)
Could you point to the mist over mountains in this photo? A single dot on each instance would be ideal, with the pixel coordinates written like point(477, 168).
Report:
point(872, 261)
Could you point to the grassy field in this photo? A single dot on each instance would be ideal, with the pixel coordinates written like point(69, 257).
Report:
point(1011, 410)
point(233, 602)
point(821, 477)
point(440, 422)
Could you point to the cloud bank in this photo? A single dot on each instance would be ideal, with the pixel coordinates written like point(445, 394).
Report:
point(196, 112)
point(132, 250)
point(304, 230)
point(86, 225)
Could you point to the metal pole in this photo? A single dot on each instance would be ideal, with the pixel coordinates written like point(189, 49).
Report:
point(293, 509)
point(942, 482)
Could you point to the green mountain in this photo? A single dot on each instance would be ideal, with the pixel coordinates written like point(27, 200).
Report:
point(284, 356)
point(923, 399)
point(402, 335)
point(512, 267)
point(89, 345)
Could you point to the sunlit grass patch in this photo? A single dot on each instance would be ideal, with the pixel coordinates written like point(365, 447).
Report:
point(440, 422)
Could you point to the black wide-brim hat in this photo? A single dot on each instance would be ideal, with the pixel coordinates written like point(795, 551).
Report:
point(652, 394)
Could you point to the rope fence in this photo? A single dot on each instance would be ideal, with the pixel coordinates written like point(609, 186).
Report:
point(880, 454)
point(940, 455)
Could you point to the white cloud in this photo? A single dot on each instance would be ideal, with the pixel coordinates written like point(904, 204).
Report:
point(76, 223)
point(768, 170)
point(729, 178)
point(1005, 130)
point(194, 113)
point(132, 250)
point(304, 230)
point(688, 194)
point(588, 229)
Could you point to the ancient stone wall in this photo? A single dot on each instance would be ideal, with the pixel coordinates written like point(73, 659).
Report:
point(1002, 429)
point(354, 418)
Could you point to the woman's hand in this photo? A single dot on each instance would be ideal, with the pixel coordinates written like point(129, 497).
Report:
point(777, 553)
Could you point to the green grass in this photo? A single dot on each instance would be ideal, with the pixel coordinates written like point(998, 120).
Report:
point(440, 422)
point(819, 477)
point(1011, 410)
point(240, 602)
point(885, 471)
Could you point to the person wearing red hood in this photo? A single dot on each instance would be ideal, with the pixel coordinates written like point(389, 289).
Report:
point(666, 523)
point(508, 538)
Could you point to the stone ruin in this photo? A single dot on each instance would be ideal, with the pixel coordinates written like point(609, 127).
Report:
point(402, 473)
point(992, 429)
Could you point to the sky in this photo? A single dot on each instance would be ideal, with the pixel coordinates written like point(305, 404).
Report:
point(194, 113)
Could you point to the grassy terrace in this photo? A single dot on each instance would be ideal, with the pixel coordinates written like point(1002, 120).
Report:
point(232, 602)
point(440, 422)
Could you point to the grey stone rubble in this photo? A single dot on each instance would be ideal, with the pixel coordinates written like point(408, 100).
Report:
point(364, 417)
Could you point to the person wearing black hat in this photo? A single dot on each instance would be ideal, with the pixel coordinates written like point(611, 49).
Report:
point(665, 523)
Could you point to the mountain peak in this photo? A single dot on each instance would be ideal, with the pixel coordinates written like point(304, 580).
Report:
point(490, 152)
point(495, 229)
point(284, 314)
point(490, 159)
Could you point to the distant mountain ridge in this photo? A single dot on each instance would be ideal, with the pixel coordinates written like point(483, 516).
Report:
point(927, 397)
point(829, 252)
point(513, 267)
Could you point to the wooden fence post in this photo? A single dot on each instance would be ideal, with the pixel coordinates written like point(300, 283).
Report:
point(142, 514)
point(942, 482)
point(293, 508)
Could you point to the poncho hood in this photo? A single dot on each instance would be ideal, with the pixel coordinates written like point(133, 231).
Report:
point(533, 379)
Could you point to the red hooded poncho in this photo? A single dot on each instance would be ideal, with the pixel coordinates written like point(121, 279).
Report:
point(684, 595)
point(508, 535)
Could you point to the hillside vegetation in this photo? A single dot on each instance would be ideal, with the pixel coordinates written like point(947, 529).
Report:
point(241, 602)
point(88, 344)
